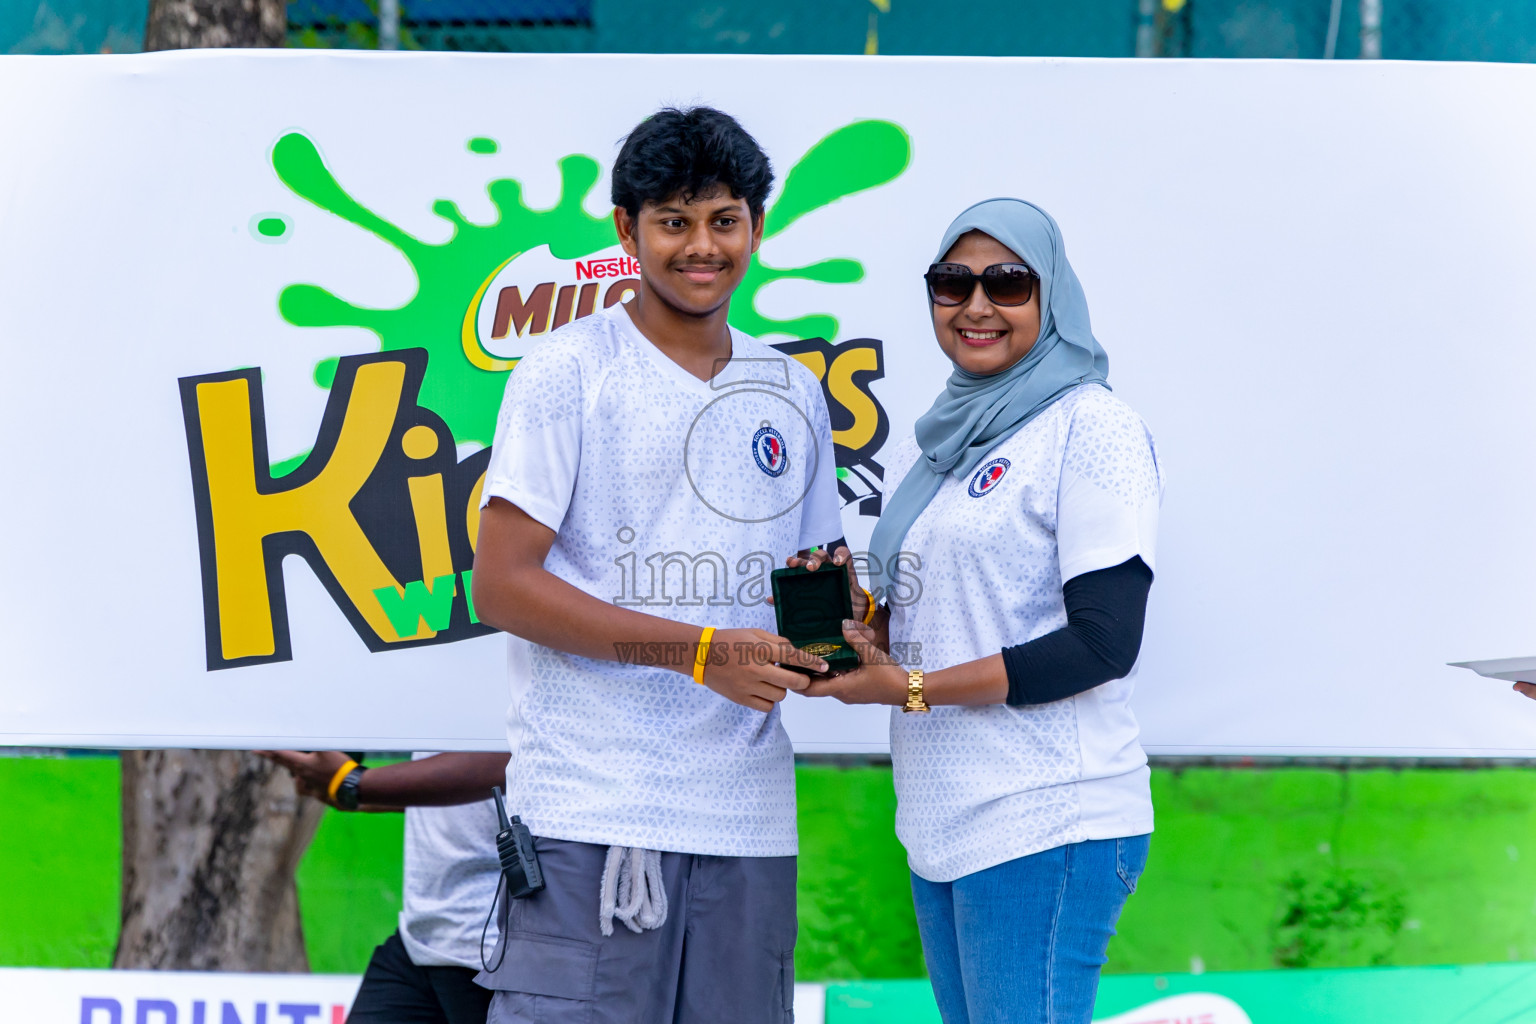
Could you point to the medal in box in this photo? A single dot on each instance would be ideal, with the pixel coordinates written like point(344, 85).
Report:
point(811, 607)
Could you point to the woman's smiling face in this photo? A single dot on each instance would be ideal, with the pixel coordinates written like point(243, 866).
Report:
point(978, 335)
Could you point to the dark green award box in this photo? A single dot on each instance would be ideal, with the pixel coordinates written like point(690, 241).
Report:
point(811, 607)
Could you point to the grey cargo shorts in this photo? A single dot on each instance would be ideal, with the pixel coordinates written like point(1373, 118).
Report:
point(725, 954)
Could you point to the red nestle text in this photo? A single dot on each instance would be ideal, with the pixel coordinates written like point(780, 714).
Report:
point(614, 266)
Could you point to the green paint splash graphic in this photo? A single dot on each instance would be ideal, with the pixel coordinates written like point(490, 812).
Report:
point(447, 275)
point(856, 157)
point(859, 156)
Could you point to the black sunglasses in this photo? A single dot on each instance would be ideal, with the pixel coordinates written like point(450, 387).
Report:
point(1007, 284)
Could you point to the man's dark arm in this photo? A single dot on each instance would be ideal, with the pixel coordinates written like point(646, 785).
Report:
point(441, 780)
point(438, 781)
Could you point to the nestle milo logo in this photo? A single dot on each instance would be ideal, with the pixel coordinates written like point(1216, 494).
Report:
point(535, 293)
point(383, 506)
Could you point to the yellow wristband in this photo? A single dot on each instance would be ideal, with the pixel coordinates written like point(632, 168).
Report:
point(869, 613)
point(701, 656)
point(336, 780)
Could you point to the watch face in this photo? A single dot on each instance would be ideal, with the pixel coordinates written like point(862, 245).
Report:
point(346, 793)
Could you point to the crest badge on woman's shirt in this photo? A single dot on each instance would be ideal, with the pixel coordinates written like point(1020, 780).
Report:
point(988, 477)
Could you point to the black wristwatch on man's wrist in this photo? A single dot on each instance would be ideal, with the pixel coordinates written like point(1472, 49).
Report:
point(346, 793)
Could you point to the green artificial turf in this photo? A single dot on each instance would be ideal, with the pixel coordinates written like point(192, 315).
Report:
point(1249, 870)
point(60, 845)
point(349, 889)
point(855, 898)
point(1314, 868)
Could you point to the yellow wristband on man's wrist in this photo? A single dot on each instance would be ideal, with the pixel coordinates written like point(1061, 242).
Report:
point(701, 655)
point(869, 612)
point(336, 780)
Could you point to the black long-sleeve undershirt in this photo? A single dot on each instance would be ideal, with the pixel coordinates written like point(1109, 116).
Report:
point(1106, 611)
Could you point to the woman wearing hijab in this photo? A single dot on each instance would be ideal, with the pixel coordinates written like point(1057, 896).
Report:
point(1016, 555)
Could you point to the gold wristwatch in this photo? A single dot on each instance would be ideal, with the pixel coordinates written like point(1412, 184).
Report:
point(915, 700)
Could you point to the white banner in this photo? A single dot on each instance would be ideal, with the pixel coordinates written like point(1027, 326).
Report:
point(257, 310)
point(49, 996)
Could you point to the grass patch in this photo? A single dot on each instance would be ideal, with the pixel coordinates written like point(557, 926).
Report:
point(1297, 867)
point(59, 863)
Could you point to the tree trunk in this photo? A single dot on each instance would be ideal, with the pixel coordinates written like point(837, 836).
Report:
point(191, 24)
point(211, 839)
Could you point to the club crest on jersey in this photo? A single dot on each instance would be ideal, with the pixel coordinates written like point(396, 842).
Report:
point(987, 477)
point(769, 451)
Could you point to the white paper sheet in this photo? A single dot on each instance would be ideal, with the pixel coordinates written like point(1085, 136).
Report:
point(1514, 670)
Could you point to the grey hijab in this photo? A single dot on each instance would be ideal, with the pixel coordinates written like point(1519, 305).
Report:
point(975, 412)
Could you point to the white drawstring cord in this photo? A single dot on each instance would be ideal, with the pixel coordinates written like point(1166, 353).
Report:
point(632, 890)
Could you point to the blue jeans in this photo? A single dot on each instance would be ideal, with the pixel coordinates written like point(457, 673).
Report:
point(1022, 942)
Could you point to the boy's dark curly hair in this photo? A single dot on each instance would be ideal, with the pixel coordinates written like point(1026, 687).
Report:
point(689, 153)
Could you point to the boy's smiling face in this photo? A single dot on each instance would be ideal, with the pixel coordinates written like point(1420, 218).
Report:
point(693, 253)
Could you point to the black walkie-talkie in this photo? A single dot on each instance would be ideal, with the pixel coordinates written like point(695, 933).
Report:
point(514, 848)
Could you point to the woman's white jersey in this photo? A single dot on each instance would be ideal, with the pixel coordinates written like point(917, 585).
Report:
point(676, 497)
point(1075, 490)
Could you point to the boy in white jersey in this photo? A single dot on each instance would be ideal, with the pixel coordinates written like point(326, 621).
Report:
point(651, 467)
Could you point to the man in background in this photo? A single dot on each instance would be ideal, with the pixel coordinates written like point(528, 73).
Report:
point(423, 973)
